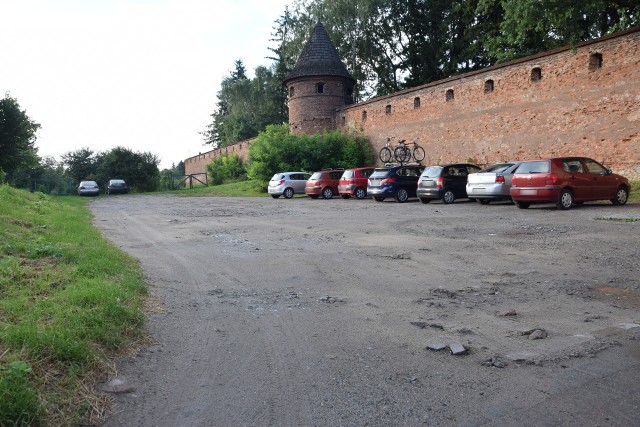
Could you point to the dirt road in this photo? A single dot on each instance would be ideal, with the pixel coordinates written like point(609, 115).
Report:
point(319, 312)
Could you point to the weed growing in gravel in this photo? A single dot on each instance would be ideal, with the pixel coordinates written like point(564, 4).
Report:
point(68, 301)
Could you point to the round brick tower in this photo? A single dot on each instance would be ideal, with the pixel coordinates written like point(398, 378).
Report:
point(318, 85)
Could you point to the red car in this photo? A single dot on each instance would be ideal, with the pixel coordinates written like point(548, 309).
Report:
point(354, 182)
point(566, 181)
point(323, 183)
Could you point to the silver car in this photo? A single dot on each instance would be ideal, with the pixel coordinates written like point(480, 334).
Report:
point(287, 184)
point(491, 183)
point(88, 188)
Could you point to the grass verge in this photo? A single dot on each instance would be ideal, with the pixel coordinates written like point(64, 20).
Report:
point(635, 191)
point(238, 188)
point(69, 302)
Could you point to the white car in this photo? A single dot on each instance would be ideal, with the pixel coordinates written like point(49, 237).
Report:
point(491, 183)
point(88, 188)
point(287, 184)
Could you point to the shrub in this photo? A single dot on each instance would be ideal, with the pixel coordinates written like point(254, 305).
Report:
point(276, 150)
point(225, 168)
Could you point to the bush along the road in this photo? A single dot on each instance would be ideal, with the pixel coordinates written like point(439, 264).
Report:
point(69, 301)
point(277, 150)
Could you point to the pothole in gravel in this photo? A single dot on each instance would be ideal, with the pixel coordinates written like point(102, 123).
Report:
point(626, 298)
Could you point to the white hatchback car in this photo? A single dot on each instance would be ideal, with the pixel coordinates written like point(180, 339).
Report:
point(287, 184)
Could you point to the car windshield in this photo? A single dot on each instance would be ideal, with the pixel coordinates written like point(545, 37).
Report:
point(117, 181)
point(534, 167)
point(380, 173)
point(498, 168)
point(316, 175)
point(88, 184)
point(432, 172)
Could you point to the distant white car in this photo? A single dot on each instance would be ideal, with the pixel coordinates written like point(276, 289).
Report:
point(287, 184)
point(88, 188)
point(491, 183)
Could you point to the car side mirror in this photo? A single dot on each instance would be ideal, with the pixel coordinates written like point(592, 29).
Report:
point(608, 171)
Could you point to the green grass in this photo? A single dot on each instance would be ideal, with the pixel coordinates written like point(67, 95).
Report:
point(232, 189)
point(69, 302)
point(635, 191)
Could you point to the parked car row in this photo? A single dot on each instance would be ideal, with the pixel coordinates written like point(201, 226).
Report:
point(564, 181)
point(91, 188)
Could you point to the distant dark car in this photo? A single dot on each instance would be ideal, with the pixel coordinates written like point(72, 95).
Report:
point(323, 183)
point(491, 183)
point(398, 182)
point(117, 186)
point(354, 182)
point(445, 182)
point(566, 181)
point(88, 188)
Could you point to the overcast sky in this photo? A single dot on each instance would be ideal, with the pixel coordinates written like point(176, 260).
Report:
point(141, 74)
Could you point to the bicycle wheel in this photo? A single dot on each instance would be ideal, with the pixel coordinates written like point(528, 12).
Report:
point(385, 155)
point(418, 153)
point(402, 154)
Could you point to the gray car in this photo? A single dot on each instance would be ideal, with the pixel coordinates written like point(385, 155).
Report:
point(491, 183)
point(88, 188)
point(287, 184)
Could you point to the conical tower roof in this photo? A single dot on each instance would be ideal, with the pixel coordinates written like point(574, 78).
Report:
point(319, 58)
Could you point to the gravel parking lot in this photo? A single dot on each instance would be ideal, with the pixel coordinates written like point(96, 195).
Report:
point(320, 312)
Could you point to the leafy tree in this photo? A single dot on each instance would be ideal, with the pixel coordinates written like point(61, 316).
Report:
point(225, 168)
point(81, 164)
point(17, 138)
point(277, 150)
point(531, 26)
point(139, 170)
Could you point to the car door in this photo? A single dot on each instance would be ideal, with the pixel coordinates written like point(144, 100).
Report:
point(580, 181)
point(408, 177)
point(456, 180)
point(461, 179)
point(298, 181)
point(604, 185)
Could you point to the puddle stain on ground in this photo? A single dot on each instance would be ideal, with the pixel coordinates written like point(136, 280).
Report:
point(626, 298)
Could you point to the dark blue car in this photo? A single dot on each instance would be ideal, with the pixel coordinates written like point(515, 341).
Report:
point(399, 182)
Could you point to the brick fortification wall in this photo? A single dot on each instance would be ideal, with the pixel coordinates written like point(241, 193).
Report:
point(579, 101)
point(198, 164)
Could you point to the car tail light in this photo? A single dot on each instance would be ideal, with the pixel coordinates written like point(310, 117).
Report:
point(281, 182)
point(499, 178)
point(551, 179)
point(439, 182)
point(388, 181)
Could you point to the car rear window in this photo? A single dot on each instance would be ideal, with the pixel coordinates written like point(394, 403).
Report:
point(498, 168)
point(277, 176)
point(316, 175)
point(534, 167)
point(347, 174)
point(380, 173)
point(432, 172)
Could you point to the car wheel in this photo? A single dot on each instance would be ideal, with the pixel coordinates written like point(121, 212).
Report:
point(401, 195)
point(565, 200)
point(360, 193)
point(621, 196)
point(522, 205)
point(345, 196)
point(378, 199)
point(448, 197)
point(484, 201)
point(288, 193)
point(425, 200)
point(327, 193)
point(275, 196)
